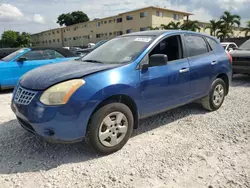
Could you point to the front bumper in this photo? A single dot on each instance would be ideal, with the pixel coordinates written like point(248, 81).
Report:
point(65, 123)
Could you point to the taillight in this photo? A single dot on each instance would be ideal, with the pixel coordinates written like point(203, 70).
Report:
point(230, 57)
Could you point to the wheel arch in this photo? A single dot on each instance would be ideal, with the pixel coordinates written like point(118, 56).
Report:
point(225, 78)
point(121, 98)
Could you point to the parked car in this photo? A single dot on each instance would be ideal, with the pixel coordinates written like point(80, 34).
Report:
point(84, 52)
point(241, 59)
point(126, 79)
point(13, 66)
point(6, 51)
point(229, 46)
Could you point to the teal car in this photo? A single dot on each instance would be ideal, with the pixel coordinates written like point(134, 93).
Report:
point(16, 64)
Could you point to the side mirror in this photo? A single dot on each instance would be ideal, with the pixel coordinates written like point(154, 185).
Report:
point(230, 49)
point(22, 59)
point(158, 60)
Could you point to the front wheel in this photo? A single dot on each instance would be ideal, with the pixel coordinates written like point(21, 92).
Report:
point(216, 96)
point(110, 128)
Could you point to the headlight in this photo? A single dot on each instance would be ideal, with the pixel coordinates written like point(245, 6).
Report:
point(61, 93)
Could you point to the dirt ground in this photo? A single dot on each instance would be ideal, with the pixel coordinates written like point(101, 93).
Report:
point(184, 147)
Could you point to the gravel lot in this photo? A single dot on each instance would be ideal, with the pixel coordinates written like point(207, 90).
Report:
point(185, 147)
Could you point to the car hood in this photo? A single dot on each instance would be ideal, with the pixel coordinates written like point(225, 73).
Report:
point(240, 53)
point(46, 76)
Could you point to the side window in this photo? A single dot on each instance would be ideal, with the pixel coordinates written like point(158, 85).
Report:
point(52, 54)
point(196, 45)
point(231, 46)
point(212, 43)
point(171, 46)
point(34, 55)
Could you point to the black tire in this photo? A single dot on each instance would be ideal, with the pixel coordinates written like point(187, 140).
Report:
point(95, 122)
point(208, 102)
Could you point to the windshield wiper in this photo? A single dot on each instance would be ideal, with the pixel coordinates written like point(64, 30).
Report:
point(92, 61)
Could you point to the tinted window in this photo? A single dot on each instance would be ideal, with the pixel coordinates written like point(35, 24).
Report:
point(212, 43)
point(196, 45)
point(171, 47)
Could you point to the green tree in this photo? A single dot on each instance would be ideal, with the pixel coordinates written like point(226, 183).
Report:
point(213, 27)
point(228, 22)
point(72, 18)
point(224, 32)
point(15, 39)
point(191, 26)
point(247, 29)
point(9, 38)
point(24, 39)
point(171, 25)
point(153, 28)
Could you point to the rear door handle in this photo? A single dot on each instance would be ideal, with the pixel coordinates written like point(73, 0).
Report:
point(184, 70)
point(214, 62)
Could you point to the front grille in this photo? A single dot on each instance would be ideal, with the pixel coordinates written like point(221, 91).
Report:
point(24, 96)
point(26, 125)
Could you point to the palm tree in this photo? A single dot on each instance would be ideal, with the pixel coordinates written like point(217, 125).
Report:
point(213, 27)
point(191, 25)
point(230, 19)
point(224, 32)
point(172, 25)
point(228, 22)
point(247, 29)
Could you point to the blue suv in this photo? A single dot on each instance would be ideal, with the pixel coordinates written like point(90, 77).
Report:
point(103, 96)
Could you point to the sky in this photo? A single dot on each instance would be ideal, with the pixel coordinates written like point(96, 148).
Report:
point(38, 15)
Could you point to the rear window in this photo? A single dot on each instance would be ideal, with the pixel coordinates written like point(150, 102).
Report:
point(212, 43)
point(196, 45)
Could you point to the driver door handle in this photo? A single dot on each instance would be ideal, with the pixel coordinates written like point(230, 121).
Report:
point(214, 62)
point(183, 70)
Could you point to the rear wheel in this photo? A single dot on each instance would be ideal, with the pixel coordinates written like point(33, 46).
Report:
point(110, 128)
point(216, 96)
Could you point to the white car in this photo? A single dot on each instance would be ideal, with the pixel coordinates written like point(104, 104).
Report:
point(229, 46)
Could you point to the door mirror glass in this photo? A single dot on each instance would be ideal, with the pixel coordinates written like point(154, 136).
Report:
point(22, 59)
point(158, 60)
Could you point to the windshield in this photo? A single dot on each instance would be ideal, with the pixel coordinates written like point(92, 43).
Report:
point(99, 44)
point(119, 50)
point(245, 45)
point(14, 54)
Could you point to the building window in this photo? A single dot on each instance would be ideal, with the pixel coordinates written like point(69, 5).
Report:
point(110, 21)
point(110, 33)
point(176, 17)
point(98, 35)
point(143, 14)
point(105, 22)
point(119, 20)
point(65, 39)
point(119, 33)
point(58, 40)
point(49, 33)
point(159, 13)
point(58, 31)
point(53, 32)
point(143, 29)
point(129, 17)
point(129, 31)
point(98, 24)
point(54, 40)
point(49, 41)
